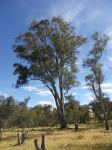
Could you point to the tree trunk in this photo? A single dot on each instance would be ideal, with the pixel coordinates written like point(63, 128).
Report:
point(63, 120)
point(60, 110)
point(61, 116)
point(64, 123)
point(106, 122)
point(107, 125)
point(105, 116)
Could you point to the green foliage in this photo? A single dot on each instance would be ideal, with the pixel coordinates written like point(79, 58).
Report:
point(76, 112)
point(50, 49)
point(13, 114)
point(71, 109)
point(97, 109)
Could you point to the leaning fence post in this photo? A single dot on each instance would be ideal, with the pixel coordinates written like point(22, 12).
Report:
point(36, 144)
point(18, 137)
point(43, 146)
point(0, 134)
point(23, 138)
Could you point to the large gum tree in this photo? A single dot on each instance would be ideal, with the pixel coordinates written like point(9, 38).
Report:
point(49, 50)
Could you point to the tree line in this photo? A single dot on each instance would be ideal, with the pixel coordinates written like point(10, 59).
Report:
point(17, 114)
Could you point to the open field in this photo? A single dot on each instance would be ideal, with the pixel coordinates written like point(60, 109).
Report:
point(87, 138)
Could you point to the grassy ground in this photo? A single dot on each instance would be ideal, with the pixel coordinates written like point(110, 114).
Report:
point(89, 137)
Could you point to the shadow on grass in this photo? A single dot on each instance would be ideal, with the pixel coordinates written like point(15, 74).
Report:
point(8, 138)
point(89, 147)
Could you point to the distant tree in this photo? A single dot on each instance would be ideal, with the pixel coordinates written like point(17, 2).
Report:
point(49, 50)
point(72, 109)
point(23, 115)
point(96, 77)
point(84, 114)
point(43, 115)
point(7, 107)
point(2, 101)
point(97, 109)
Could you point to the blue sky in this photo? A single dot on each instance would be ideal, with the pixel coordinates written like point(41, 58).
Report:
point(86, 15)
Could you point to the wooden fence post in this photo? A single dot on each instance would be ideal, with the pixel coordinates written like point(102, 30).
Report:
point(36, 144)
point(0, 134)
point(23, 138)
point(43, 146)
point(18, 137)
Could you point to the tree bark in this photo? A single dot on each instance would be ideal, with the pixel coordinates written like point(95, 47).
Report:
point(106, 122)
point(61, 116)
point(60, 109)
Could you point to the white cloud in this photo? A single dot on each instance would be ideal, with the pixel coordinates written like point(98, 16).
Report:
point(67, 10)
point(104, 85)
point(110, 58)
point(74, 93)
point(84, 87)
point(47, 102)
point(107, 85)
point(36, 90)
point(89, 96)
point(4, 94)
point(108, 32)
point(107, 90)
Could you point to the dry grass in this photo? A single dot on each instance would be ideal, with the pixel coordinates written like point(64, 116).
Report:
point(87, 138)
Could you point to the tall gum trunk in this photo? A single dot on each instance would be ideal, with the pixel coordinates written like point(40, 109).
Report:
point(106, 123)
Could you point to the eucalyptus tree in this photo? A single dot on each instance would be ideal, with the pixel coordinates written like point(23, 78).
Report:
point(96, 77)
point(49, 50)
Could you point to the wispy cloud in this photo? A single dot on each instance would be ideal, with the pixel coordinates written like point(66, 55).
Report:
point(107, 91)
point(68, 9)
point(84, 87)
point(104, 85)
point(110, 58)
point(108, 31)
point(89, 96)
point(36, 90)
point(107, 85)
point(47, 102)
point(44, 102)
point(74, 93)
point(4, 94)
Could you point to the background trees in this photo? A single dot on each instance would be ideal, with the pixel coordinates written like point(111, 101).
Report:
point(7, 107)
point(76, 112)
point(50, 50)
point(72, 109)
point(97, 109)
point(14, 114)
